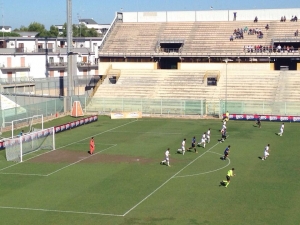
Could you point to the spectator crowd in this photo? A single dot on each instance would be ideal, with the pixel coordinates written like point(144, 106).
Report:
point(270, 49)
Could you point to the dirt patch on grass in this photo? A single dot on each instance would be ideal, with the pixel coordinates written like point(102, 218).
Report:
point(65, 156)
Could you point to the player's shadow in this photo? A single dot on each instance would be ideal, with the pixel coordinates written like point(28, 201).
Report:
point(179, 151)
point(222, 157)
point(222, 184)
point(255, 125)
point(260, 157)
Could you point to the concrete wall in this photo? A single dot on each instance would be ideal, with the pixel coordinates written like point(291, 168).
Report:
point(103, 66)
point(210, 15)
point(222, 66)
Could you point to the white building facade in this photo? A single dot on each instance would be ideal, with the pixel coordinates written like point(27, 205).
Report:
point(27, 58)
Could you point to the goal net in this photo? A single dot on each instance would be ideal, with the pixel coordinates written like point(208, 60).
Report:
point(27, 125)
point(16, 148)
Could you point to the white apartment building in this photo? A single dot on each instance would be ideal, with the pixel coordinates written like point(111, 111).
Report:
point(90, 23)
point(30, 57)
point(6, 29)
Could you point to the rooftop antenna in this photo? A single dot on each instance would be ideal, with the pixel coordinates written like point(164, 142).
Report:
point(79, 18)
point(2, 20)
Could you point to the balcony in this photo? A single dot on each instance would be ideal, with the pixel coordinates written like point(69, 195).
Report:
point(17, 81)
point(5, 67)
point(45, 50)
point(85, 65)
point(57, 65)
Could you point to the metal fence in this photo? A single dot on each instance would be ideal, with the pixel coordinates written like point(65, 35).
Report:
point(51, 86)
point(27, 106)
point(148, 106)
point(191, 107)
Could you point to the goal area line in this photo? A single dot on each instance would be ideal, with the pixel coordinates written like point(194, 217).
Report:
point(55, 171)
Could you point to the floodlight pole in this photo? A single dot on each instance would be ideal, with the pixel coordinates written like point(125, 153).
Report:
point(69, 55)
point(226, 61)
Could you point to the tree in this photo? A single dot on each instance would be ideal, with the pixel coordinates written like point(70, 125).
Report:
point(53, 31)
point(92, 33)
point(80, 30)
point(9, 34)
point(37, 27)
point(22, 28)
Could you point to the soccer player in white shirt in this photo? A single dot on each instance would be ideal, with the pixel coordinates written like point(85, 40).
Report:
point(182, 149)
point(183, 146)
point(208, 136)
point(167, 159)
point(266, 152)
point(223, 127)
point(203, 140)
point(281, 129)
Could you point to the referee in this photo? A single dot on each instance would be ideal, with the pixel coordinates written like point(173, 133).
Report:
point(229, 174)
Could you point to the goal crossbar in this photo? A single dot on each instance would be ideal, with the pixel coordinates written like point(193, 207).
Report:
point(28, 121)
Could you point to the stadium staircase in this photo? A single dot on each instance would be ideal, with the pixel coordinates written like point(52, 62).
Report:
point(287, 93)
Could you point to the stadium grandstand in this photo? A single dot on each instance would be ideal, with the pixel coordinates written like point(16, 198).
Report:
point(243, 57)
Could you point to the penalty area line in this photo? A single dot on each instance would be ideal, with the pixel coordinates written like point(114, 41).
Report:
point(167, 181)
point(60, 211)
point(68, 145)
point(79, 160)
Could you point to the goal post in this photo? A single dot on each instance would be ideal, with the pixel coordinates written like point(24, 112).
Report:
point(16, 148)
point(27, 124)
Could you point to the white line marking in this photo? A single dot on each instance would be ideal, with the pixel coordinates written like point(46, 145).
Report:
point(26, 174)
point(60, 211)
point(69, 144)
point(211, 171)
point(80, 160)
point(142, 132)
point(166, 181)
point(96, 143)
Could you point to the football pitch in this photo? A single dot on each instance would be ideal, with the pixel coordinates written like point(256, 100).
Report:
point(124, 183)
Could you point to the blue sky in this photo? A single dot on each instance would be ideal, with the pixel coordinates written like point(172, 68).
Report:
point(53, 12)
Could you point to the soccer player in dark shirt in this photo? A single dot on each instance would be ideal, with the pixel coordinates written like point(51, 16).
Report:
point(258, 122)
point(226, 152)
point(193, 145)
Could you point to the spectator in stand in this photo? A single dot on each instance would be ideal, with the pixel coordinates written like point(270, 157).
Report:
point(284, 48)
point(284, 19)
point(296, 33)
point(245, 29)
point(279, 48)
point(267, 27)
point(281, 19)
point(231, 38)
point(294, 19)
point(255, 20)
point(292, 48)
point(260, 35)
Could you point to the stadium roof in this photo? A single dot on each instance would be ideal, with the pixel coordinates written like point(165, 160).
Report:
point(88, 21)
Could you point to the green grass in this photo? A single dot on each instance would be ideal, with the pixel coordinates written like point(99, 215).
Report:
point(132, 192)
